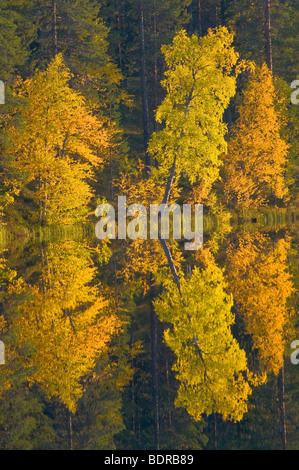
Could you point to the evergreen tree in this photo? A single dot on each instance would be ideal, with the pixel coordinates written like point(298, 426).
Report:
point(16, 29)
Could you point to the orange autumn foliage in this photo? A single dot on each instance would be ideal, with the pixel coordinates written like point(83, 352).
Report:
point(259, 279)
point(254, 166)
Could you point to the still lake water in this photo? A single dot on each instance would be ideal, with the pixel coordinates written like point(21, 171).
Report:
point(86, 363)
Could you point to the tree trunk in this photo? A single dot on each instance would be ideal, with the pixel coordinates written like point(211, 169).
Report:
point(154, 328)
point(268, 35)
point(146, 126)
point(199, 19)
point(281, 399)
point(70, 430)
point(119, 28)
point(156, 75)
point(146, 130)
point(223, 12)
point(54, 28)
point(196, 19)
point(133, 396)
point(215, 431)
point(168, 394)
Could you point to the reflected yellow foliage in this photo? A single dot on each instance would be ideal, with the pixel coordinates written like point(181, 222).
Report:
point(211, 367)
point(146, 257)
point(66, 323)
point(259, 278)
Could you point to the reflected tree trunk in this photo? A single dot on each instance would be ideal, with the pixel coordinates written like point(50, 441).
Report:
point(215, 432)
point(154, 336)
point(70, 430)
point(281, 399)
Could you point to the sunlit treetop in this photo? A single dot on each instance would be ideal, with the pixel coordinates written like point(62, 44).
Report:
point(199, 82)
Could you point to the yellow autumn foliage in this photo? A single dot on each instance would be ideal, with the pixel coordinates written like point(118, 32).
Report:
point(199, 82)
point(55, 144)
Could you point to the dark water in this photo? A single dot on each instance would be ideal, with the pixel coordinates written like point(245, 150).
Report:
point(87, 365)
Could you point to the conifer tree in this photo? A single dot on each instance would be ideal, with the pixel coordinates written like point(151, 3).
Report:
point(15, 31)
